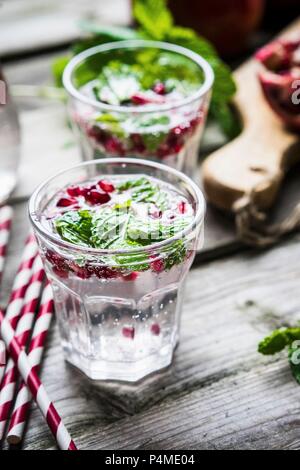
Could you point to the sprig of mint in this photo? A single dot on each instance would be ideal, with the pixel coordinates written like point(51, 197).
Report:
point(280, 339)
point(155, 21)
point(121, 227)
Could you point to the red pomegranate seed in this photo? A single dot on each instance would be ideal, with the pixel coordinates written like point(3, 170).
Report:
point(62, 273)
point(103, 273)
point(73, 191)
point(106, 186)
point(128, 332)
point(114, 146)
point(182, 207)
point(157, 265)
point(159, 88)
point(155, 329)
point(138, 98)
point(97, 197)
point(66, 202)
point(131, 276)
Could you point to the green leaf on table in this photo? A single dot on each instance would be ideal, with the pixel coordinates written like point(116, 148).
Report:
point(153, 16)
point(75, 227)
point(278, 340)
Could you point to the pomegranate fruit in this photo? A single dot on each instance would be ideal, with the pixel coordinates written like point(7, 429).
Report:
point(280, 79)
point(226, 23)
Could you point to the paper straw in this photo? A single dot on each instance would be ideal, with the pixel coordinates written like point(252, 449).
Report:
point(35, 353)
point(35, 386)
point(23, 331)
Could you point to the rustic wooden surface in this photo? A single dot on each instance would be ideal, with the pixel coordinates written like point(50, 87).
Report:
point(219, 393)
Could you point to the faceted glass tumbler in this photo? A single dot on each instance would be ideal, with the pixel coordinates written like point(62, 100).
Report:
point(174, 143)
point(116, 323)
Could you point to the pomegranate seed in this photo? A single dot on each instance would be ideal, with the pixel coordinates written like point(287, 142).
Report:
point(138, 145)
point(106, 186)
point(155, 329)
point(113, 145)
point(63, 274)
point(81, 272)
point(66, 202)
point(131, 276)
point(73, 191)
point(138, 98)
point(103, 273)
point(96, 197)
point(157, 265)
point(159, 88)
point(128, 332)
point(182, 207)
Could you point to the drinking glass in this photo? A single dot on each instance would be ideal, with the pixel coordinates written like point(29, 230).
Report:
point(118, 310)
point(175, 141)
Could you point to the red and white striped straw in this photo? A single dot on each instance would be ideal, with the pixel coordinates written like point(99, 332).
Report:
point(35, 354)
point(20, 284)
point(6, 215)
point(21, 281)
point(35, 386)
point(23, 331)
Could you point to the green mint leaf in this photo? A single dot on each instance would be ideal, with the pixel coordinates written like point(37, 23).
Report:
point(176, 256)
point(278, 340)
point(109, 228)
point(153, 16)
point(58, 67)
point(146, 192)
point(111, 123)
point(75, 227)
point(227, 119)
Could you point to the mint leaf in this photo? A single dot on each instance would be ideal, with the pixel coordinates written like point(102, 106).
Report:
point(278, 340)
point(58, 67)
point(176, 256)
point(146, 191)
point(109, 228)
point(75, 227)
point(153, 16)
point(111, 123)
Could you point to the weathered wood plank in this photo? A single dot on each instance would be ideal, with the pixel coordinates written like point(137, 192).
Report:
point(35, 25)
point(229, 305)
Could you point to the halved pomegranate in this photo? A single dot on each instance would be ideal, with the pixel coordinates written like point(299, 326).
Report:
point(280, 80)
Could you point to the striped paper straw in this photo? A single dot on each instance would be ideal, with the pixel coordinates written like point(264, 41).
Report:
point(35, 354)
point(20, 284)
point(35, 386)
point(21, 281)
point(23, 331)
point(6, 214)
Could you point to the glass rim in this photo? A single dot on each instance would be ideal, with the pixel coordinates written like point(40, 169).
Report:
point(138, 43)
point(197, 219)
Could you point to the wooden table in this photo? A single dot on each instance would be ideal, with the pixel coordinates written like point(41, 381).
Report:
point(219, 393)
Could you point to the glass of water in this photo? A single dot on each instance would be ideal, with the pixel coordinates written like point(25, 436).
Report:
point(118, 308)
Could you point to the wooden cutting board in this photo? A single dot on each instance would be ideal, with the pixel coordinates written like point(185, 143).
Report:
point(260, 156)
